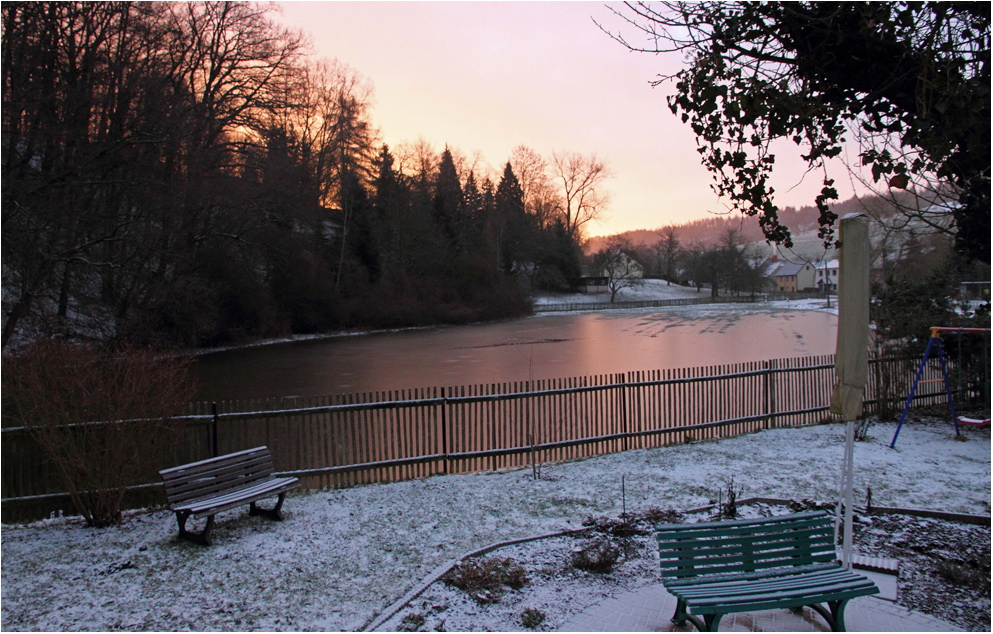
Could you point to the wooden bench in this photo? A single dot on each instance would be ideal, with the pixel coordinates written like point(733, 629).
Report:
point(210, 486)
point(789, 561)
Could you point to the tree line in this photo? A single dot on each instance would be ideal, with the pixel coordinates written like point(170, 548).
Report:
point(189, 174)
point(728, 266)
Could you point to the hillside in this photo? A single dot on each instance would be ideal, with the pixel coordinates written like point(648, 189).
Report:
point(802, 223)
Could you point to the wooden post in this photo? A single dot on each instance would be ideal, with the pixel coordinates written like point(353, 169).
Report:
point(767, 394)
point(213, 436)
point(624, 411)
point(444, 429)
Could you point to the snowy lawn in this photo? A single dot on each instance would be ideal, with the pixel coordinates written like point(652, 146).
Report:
point(644, 290)
point(341, 557)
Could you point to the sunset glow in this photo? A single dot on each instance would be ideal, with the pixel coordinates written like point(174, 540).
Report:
point(489, 76)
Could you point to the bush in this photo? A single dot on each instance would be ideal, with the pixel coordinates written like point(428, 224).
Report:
point(727, 506)
point(655, 515)
point(627, 526)
point(532, 618)
point(411, 622)
point(963, 575)
point(484, 580)
point(598, 556)
point(59, 390)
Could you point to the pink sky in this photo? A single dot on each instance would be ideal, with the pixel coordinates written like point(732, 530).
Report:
point(489, 76)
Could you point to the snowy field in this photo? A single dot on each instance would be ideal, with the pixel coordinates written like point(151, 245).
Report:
point(343, 556)
point(644, 290)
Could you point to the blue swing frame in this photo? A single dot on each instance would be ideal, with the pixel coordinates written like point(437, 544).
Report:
point(935, 339)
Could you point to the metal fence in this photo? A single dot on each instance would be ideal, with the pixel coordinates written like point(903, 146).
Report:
point(344, 440)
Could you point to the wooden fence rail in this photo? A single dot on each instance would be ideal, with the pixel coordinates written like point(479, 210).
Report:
point(404, 434)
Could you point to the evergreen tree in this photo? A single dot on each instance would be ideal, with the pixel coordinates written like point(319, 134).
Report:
point(448, 202)
point(512, 221)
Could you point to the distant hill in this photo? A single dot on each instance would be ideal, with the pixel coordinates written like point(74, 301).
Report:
point(802, 223)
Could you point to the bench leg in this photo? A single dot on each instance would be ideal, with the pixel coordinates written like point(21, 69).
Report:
point(200, 538)
point(679, 617)
point(838, 612)
point(713, 621)
point(836, 616)
point(275, 513)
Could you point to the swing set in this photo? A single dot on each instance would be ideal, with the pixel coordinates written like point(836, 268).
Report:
point(935, 342)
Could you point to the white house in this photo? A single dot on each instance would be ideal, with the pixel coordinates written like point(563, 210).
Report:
point(622, 265)
point(826, 275)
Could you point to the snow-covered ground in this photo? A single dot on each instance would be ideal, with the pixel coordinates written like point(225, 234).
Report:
point(343, 556)
point(643, 290)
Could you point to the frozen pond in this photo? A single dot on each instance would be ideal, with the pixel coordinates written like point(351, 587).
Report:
point(540, 347)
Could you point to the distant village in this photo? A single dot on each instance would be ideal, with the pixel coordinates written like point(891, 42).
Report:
point(729, 257)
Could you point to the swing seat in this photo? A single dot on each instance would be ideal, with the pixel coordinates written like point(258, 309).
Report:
point(975, 422)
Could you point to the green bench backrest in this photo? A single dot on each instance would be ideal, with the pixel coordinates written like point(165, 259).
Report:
point(801, 539)
point(216, 475)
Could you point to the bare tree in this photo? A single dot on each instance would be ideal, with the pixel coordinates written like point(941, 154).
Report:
point(582, 179)
point(100, 416)
point(616, 264)
point(337, 129)
point(667, 252)
point(541, 200)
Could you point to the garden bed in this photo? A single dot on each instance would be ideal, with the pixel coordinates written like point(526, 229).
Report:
point(944, 572)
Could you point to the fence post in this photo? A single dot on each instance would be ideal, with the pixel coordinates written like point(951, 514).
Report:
point(624, 410)
point(444, 428)
point(213, 434)
point(770, 398)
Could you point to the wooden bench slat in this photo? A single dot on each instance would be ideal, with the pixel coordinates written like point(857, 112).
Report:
point(769, 601)
point(744, 528)
point(231, 457)
point(237, 497)
point(256, 465)
point(685, 582)
point(687, 552)
point(791, 536)
point(761, 586)
point(758, 523)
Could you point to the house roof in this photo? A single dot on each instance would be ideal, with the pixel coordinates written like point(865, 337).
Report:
point(788, 268)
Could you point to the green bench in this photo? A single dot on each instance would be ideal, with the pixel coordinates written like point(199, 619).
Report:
point(788, 561)
point(210, 486)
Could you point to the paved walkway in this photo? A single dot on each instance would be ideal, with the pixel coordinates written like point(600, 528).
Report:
point(649, 610)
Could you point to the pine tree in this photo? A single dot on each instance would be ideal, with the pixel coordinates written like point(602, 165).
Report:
point(448, 202)
point(512, 221)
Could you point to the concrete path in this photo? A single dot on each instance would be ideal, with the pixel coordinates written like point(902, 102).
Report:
point(649, 610)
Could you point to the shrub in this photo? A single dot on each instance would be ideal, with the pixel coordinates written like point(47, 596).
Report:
point(532, 618)
point(655, 515)
point(862, 426)
point(627, 526)
point(598, 556)
point(484, 580)
point(963, 575)
point(59, 390)
point(411, 622)
point(727, 507)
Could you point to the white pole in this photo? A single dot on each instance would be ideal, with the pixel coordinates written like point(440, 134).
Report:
point(846, 547)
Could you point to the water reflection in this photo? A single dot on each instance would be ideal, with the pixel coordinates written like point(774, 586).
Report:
point(542, 347)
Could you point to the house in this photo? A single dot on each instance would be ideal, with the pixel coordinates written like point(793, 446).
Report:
point(793, 277)
point(620, 264)
point(826, 275)
point(592, 284)
point(785, 276)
